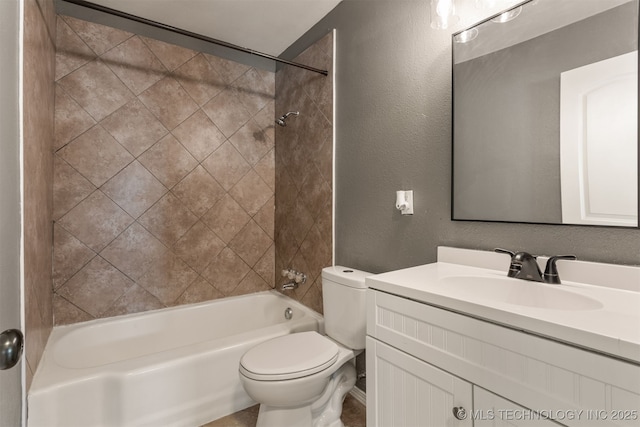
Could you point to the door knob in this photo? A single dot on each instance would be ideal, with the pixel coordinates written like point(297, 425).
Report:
point(11, 344)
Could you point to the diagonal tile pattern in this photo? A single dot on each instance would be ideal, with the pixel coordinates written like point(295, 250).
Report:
point(303, 178)
point(164, 175)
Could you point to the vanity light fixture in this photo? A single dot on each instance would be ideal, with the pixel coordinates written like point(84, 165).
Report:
point(466, 36)
point(443, 14)
point(507, 16)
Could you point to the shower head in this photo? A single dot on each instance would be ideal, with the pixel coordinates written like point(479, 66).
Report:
point(282, 120)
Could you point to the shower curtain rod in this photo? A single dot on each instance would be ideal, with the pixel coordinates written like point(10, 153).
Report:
point(180, 31)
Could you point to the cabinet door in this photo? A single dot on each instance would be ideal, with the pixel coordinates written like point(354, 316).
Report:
point(403, 391)
point(491, 410)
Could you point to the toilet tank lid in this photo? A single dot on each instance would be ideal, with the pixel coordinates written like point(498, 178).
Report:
point(345, 275)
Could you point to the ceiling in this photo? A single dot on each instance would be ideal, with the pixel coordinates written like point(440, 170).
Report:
point(268, 26)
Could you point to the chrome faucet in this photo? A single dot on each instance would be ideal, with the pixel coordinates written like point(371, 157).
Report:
point(296, 278)
point(289, 286)
point(525, 266)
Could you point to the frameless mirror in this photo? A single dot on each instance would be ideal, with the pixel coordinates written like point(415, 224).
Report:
point(545, 115)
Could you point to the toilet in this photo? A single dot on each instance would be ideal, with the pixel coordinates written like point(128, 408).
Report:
point(301, 379)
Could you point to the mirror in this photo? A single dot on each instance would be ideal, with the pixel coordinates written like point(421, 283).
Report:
point(545, 115)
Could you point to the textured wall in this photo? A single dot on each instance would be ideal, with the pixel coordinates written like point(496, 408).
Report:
point(393, 131)
point(164, 175)
point(38, 109)
point(304, 171)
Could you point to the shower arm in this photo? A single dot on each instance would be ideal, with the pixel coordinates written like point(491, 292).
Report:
point(141, 20)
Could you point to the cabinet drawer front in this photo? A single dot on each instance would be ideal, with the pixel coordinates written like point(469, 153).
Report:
point(407, 392)
point(537, 373)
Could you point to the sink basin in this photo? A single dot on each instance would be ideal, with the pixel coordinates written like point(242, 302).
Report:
point(520, 292)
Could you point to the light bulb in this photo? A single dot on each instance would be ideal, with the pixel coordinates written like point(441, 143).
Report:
point(443, 14)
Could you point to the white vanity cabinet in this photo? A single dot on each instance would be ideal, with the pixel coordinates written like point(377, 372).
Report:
point(424, 361)
point(405, 391)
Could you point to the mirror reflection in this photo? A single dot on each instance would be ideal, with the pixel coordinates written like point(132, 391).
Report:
point(545, 115)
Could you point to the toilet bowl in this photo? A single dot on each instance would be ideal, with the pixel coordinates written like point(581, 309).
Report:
point(301, 379)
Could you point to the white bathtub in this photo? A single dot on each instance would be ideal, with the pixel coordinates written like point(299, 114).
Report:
point(171, 367)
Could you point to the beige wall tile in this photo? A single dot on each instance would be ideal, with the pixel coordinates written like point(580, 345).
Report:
point(134, 251)
point(96, 155)
point(66, 312)
point(251, 142)
point(198, 247)
point(226, 218)
point(199, 78)
point(226, 165)
point(134, 127)
point(162, 215)
point(38, 139)
point(199, 135)
point(251, 192)
point(303, 172)
point(96, 287)
point(198, 191)
point(199, 291)
point(169, 102)
point(265, 266)
point(96, 88)
point(227, 112)
point(255, 89)
point(168, 161)
point(167, 280)
point(71, 120)
point(168, 220)
point(98, 37)
point(266, 216)
point(96, 221)
point(73, 52)
point(250, 243)
point(252, 282)
point(134, 300)
point(226, 271)
point(69, 255)
point(69, 187)
point(266, 169)
point(135, 65)
point(228, 70)
point(170, 55)
point(134, 189)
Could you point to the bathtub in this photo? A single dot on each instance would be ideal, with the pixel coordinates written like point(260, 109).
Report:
point(171, 367)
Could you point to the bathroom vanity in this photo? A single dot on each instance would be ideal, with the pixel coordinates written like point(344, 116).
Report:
point(458, 343)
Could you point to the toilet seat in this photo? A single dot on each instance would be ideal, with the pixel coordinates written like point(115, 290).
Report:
point(289, 357)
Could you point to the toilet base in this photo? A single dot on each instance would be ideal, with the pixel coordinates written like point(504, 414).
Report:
point(271, 416)
point(324, 412)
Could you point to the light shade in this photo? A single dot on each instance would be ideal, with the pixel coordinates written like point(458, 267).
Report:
point(443, 14)
point(466, 36)
point(507, 16)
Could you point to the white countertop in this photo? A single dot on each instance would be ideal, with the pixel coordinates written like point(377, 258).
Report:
point(613, 327)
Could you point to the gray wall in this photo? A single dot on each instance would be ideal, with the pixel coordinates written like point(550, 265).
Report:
point(507, 116)
point(11, 393)
point(393, 131)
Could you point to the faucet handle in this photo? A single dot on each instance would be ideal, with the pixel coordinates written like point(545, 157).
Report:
point(514, 269)
point(504, 251)
point(551, 271)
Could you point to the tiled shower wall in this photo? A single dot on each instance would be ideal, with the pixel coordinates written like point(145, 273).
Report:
point(163, 175)
point(304, 171)
point(38, 107)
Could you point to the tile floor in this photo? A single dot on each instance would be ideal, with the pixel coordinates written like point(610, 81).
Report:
point(353, 415)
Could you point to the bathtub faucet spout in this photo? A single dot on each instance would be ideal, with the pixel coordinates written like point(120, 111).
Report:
point(289, 286)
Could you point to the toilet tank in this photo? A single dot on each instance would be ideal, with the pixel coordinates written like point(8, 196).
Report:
point(344, 305)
